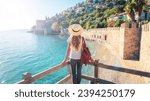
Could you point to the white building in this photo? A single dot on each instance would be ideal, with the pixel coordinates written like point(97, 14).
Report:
point(79, 9)
point(145, 15)
point(121, 16)
point(40, 24)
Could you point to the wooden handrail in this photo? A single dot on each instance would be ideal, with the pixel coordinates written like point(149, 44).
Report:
point(96, 80)
point(124, 70)
point(68, 77)
point(29, 79)
point(49, 71)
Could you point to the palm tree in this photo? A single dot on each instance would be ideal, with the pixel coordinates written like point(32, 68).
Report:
point(135, 7)
point(129, 9)
point(138, 5)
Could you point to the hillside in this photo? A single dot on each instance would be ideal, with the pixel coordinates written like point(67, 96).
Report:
point(90, 14)
point(94, 14)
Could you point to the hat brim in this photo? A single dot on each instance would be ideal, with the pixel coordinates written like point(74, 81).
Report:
point(75, 33)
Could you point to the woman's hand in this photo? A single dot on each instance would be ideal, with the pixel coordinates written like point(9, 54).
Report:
point(64, 61)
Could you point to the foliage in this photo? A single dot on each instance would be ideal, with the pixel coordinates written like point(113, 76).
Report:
point(55, 27)
point(145, 21)
point(90, 17)
point(135, 6)
point(118, 23)
point(88, 23)
point(96, 1)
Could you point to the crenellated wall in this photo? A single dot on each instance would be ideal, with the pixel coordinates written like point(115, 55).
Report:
point(118, 47)
point(145, 44)
point(132, 40)
point(124, 40)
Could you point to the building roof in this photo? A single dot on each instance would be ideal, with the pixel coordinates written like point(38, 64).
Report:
point(115, 15)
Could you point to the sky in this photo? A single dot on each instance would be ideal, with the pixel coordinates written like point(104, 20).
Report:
point(22, 14)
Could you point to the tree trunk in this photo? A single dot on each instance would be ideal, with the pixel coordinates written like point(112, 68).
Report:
point(138, 17)
point(132, 17)
point(139, 13)
point(146, 15)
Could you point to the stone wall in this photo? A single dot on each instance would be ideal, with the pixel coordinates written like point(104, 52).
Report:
point(110, 43)
point(112, 38)
point(132, 38)
point(125, 40)
point(145, 44)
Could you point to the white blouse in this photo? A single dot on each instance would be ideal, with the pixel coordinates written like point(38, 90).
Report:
point(73, 53)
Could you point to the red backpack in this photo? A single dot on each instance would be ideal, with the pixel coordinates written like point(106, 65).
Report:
point(86, 55)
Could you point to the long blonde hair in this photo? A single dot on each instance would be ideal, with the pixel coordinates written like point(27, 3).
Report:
point(76, 42)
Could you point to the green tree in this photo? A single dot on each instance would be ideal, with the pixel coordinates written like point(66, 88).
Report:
point(96, 1)
point(88, 23)
point(129, 9)
point(118, 23)
point(94, 26)
point(106, 13)
point(109, 12)
point(102, 24)
point(107, 1)
point(81, 22)
point(73, 21)
point(85, 16)
point(133, 7)
point(64, 24)
point(97, 15)
point(81, 13)
point(138, 6)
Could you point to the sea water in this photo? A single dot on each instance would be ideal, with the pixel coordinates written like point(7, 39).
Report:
point(22, 52)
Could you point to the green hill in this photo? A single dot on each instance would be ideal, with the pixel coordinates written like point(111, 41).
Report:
point(91, 14)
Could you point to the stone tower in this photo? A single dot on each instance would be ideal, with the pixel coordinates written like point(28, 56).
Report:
point(132, 40)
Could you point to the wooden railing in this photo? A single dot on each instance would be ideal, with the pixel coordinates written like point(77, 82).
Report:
point(97, 80)
point(28, 78)
point(125, 70)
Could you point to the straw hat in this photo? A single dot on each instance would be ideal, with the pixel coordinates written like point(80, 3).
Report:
point(75, 29)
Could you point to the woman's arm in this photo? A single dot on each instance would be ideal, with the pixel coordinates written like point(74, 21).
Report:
point(67, 53)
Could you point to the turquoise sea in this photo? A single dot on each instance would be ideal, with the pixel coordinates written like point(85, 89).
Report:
point(22, 52)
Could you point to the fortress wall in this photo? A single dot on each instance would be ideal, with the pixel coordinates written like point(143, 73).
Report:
point(125, 40)
point(145, 44)
point(132, 38)
point(143, 64)
point(112, 38)
point(146, 27)
point(111, 52)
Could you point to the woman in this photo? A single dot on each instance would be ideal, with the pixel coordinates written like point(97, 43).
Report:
point(74, 50)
